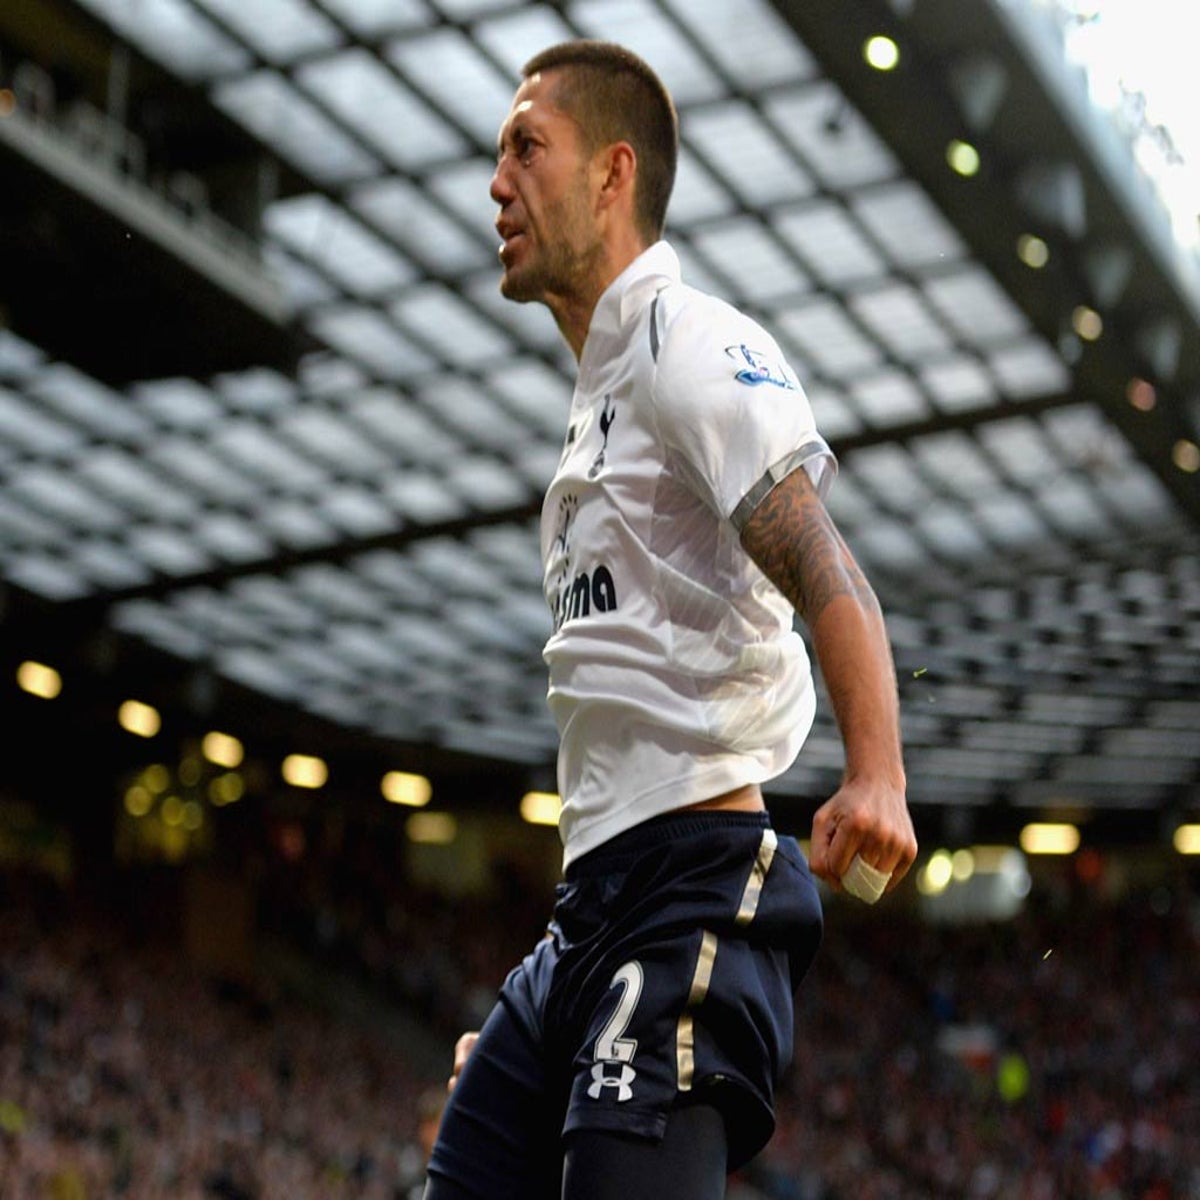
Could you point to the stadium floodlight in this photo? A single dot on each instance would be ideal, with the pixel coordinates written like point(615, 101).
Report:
point(39, 680)
point(222, 749)
point(140, 719)
point(541, 808)
point(1050, 838)
point(402, 787)
point(304, 771)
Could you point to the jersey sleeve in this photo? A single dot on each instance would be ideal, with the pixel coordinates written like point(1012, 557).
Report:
point(730, 407)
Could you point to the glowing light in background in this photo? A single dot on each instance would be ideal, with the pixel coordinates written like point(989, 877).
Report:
point(1032, 251)
point(431, 828)
point(39, 680)
point(1049, 838)
point(1087, 323)
point(400, 787)
point(541, 808)
point(963, 158)
point(228, 788)
point(962, 865)
point(881, 53)
point(304, 771)
point(138, 801)
point(142, 720)
point(222, 749)
point(1141, 395)
point(936, 876)
point(1186, 456)
point(157, 778)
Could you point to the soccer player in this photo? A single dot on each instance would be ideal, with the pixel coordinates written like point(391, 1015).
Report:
point(635, 1051)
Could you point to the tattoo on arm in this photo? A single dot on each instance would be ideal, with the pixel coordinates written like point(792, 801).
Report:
point(792, 538)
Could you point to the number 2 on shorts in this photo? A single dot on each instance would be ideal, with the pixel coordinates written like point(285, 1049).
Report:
point(611, 1044)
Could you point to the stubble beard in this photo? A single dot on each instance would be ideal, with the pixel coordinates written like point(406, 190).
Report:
point(549, 273)
point(561, 270)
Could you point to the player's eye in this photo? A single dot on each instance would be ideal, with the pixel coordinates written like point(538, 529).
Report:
point(523, 147)
point(520, 146)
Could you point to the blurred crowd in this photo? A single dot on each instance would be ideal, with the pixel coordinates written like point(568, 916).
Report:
point(127, 1072)
point(1052, 1057)
point(441, 956)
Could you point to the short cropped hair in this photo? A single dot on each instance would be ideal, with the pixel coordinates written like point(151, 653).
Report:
point(614, 96)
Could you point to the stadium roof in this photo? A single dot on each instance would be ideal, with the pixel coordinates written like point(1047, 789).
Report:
point(273, 445)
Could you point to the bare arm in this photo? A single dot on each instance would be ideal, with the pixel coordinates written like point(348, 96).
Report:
point(794, 541)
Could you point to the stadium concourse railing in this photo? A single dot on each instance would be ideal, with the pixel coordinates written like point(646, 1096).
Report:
point(95, 154)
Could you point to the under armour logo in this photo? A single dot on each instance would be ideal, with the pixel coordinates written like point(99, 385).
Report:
point(621, 1082)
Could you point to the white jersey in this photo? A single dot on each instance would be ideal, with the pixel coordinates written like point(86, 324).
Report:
point(675, 673)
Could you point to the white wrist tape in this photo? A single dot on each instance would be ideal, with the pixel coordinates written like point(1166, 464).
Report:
point(865, 881)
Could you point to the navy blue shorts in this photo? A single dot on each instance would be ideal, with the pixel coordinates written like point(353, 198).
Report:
point(667, 976)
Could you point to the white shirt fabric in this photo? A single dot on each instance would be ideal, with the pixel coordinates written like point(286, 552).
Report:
point(675, 673)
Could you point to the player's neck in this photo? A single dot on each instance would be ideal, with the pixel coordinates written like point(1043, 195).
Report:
point(573, 314)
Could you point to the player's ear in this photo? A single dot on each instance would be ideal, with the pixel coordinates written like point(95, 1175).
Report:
point(618, 164)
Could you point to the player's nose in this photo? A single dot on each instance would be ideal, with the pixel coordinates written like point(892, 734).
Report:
point(501, 189)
